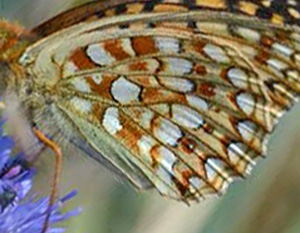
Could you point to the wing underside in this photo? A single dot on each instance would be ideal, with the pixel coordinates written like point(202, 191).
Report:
point(183, 94)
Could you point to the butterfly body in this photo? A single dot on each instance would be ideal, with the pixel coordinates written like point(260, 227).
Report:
point(177, 96)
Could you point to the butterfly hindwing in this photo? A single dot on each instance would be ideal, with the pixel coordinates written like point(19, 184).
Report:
point(179, 92)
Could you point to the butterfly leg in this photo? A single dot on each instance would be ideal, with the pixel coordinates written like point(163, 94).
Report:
point(57, 172)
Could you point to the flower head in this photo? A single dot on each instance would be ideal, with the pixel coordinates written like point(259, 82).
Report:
point(16, 214)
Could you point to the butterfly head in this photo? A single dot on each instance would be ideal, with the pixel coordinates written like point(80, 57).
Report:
point(13, 40)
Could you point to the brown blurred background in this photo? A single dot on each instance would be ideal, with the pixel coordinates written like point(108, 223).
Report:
point(268, 201)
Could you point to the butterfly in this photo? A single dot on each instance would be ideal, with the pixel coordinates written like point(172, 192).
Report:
point(177, 95)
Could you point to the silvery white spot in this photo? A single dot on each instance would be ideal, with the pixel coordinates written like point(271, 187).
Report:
point(238, 77)
point(145, 144)
point(277, 64)
point(97, 78)
point(111, 121)
point(196, 182)
point(246, 129)
point(236, 153)
point(249, 34)
point(177, 84)
point(81, 105)
point(216, 53)
point(210, 172)
point(197, 102)
point(167, 44)
point(69, 68)
point(177, 66)
point(186, 116)
point(81, 85)
point(125, 91)
point(163, 181)
point(283, 49)
point(167, 158)
point(168, 133)
point(217, 164)
point(99, 55)
point(246, 102)
point(146, 119)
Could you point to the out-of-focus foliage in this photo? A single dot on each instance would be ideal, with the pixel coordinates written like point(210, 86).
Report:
point(268, 201)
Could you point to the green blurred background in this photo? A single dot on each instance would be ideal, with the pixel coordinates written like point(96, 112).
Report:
point(268, 201)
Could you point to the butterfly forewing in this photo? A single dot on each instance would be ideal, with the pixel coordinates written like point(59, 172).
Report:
point(179, 95)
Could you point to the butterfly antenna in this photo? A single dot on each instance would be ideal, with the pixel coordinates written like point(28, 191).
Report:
point(57, 173)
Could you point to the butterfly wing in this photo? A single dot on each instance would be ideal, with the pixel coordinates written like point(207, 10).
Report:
point(181, 97)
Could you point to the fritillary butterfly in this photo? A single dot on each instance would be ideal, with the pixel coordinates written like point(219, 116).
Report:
point(179, 95)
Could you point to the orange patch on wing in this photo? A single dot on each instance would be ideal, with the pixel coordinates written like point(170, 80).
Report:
point(198, 46)
point(109, 12)
point(248, 7)
point(145, 81)
point(130, 134)
point(135, 8)
point(104, 88)
point(183, 174)
point(219, 4)
point(169, 8)
point(262, 57)
point(224, 74)
point(143, 45)
point(81, 61)
point(267, 41)
point(138, 66)
point(278, 19)
point(155, 156)
point(186, 175)
point(154, 95)
point(114, 47)
point(183, 26)
point(98, 110)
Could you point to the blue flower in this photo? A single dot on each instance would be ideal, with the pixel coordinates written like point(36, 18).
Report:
point(16, 214)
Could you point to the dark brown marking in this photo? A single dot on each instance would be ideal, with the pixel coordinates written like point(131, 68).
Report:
point(207, 128)
point(223, 74)
point(198, 46)
point(188, 145)
point(206, 89)
point(267, 41)
point(186, 175)
point(262, 57)
point(200, 69)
